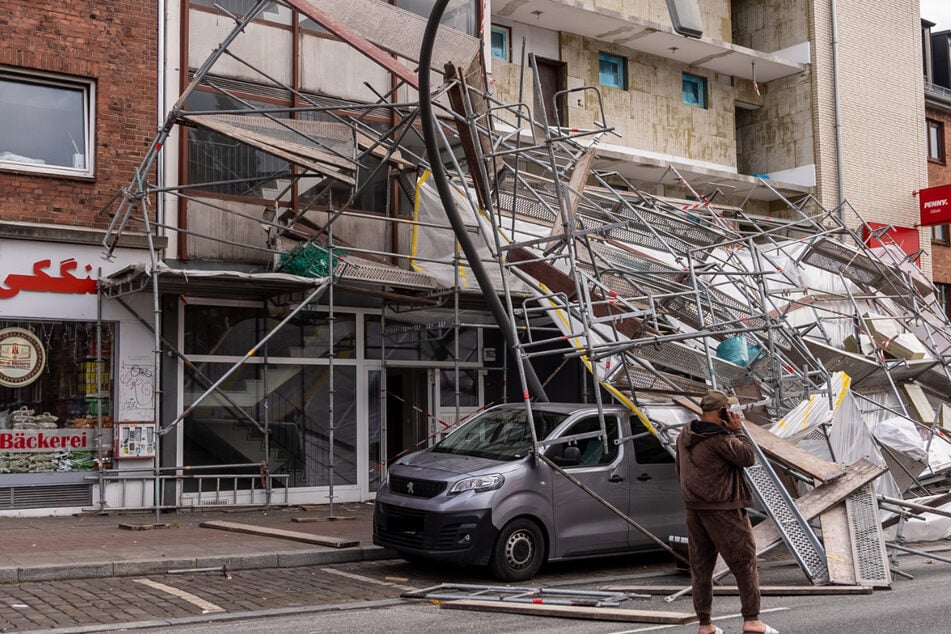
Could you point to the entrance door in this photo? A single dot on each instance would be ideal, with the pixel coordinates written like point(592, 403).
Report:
point(552, 76)
point(408, 401)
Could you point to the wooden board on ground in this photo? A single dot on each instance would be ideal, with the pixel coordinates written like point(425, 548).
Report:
point(277, 533)
point(837, 541)
point(766, 591)
point(573, 612)
point(141, 527)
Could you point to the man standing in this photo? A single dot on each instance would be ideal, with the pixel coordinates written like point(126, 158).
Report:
point(711, 455)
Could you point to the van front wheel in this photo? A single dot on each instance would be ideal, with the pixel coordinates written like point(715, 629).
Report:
point(519, 551)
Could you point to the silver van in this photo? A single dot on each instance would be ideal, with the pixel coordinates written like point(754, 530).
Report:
point(478, 496)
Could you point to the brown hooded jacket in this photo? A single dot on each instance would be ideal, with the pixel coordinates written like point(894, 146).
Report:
point(710, 462)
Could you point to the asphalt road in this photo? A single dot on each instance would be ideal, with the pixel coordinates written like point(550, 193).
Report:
point(365, 597)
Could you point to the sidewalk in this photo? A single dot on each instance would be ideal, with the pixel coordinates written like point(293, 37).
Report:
point(83, 546)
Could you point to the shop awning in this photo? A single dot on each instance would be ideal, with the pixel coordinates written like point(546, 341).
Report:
point(207, 283)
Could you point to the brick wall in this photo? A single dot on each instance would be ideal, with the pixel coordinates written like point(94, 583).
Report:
point(113, 42)
point(939, 174)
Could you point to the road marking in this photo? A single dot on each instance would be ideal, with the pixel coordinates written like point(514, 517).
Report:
point(350, 575)
point(654, 628)
point(206, 606)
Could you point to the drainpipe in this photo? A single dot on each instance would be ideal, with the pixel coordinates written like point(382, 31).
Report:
point(160, 118)
point(836, 100)
point(427, 121)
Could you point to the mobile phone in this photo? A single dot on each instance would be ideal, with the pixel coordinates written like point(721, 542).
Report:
point(723, 415)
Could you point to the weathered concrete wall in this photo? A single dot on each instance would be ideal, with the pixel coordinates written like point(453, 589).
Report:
point(769, 25)
point(715, 14)
point(776, 133)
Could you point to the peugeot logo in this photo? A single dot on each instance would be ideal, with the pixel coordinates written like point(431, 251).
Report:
point(409, 488)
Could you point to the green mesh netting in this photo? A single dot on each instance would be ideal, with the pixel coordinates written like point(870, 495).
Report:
point(310, 260)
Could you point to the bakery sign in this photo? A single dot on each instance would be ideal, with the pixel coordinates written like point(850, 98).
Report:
point(32, 440)
point(22, 357)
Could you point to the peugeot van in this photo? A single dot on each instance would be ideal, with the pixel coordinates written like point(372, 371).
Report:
point(479, 497)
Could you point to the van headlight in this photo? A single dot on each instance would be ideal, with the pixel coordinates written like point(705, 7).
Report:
point(477, 484)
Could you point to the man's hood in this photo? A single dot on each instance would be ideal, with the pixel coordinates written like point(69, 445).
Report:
point(698, 431)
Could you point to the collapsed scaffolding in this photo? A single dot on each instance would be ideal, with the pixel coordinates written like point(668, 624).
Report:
point(828, 333)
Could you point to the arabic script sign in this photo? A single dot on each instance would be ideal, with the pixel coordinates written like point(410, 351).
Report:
point(43, 282)
point(19, 441)
point(22, 357)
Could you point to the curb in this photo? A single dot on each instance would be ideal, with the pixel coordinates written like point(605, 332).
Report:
point(238, 561)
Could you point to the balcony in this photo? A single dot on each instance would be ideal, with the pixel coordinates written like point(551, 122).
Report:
point(576, 16)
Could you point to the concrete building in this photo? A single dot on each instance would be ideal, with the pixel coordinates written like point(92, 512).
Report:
point(771, 104)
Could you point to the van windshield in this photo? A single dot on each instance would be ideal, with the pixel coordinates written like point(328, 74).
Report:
point(499, 434)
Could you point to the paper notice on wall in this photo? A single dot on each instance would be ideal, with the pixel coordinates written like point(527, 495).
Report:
point(135, 389)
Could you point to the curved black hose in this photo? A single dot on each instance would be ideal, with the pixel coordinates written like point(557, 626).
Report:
point(445, 195)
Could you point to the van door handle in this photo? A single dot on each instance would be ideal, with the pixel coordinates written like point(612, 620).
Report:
point(615, 478)
point(643, 477)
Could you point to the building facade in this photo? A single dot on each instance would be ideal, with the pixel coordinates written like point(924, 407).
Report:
point(772, 103)
point(937, 66)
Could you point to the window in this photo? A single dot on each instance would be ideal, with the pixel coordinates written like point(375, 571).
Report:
point(47, 124)
point(944, 297)
point(612, 71)
point(222, 165)
point(461, 15)
point(695, 90)
point(940, 235)
point(56, 387)
point(500, 43)
point(591, 450)
point(647, 448)
point(935, 141)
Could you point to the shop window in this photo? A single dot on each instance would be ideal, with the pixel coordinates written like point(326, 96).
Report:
point(468, 388)
point(940, 234)
point(612, 71)
point(935, 141)
point(501, 49)
point(288, 403)
point(229, 331)
point(47, 124)
point(405, 341)
point(695, 90)
point(56, 395)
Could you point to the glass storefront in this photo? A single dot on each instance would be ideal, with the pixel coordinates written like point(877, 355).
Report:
point(275, 406)
point(51, 405)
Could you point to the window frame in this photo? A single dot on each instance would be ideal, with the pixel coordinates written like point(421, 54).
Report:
point(622, 70)
point(944, 297)
point(85, 146)
point(506, 33)
point(941, 234)
point(936, 153)
point(703, 91)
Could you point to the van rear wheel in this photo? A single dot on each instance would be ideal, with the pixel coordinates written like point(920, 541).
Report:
point(519, 551)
